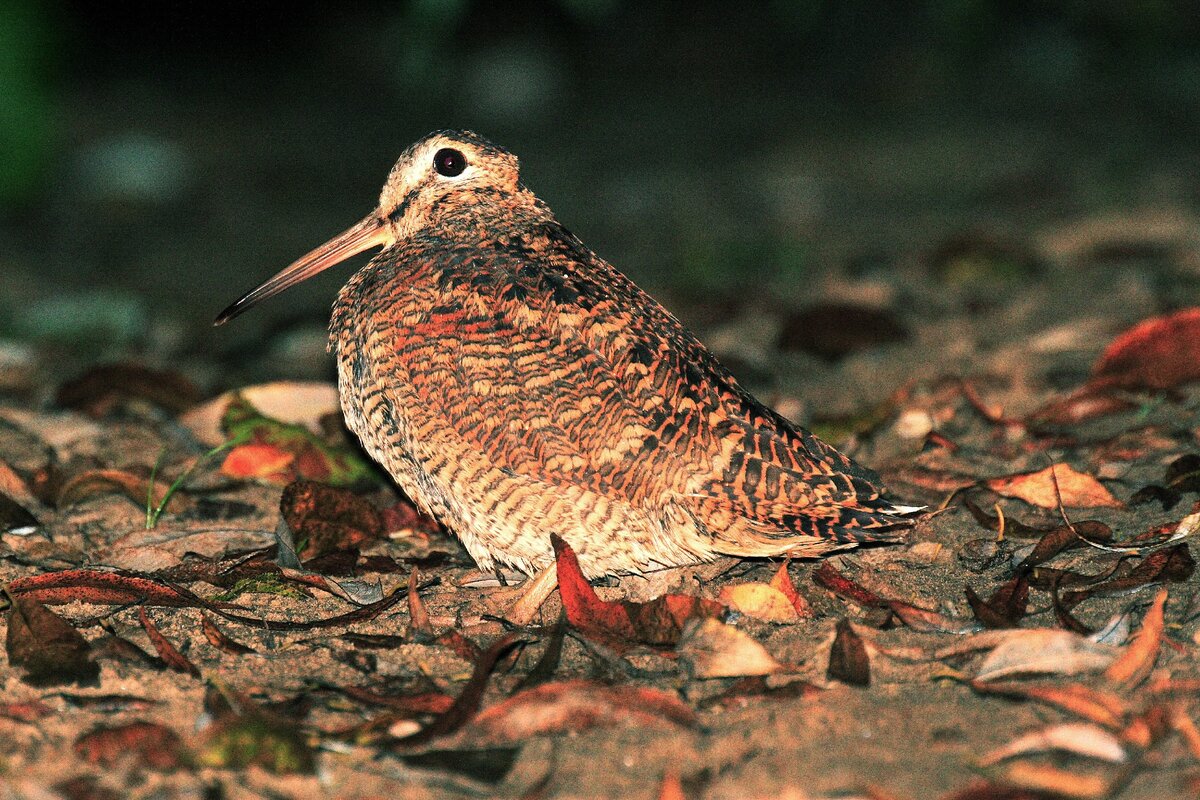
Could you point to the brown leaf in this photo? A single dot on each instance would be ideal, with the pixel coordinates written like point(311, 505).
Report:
point(103, 388)
point(1137, 659)
point(827, 576)
point(408, 705)
point(1157, 353)
point(1006, 606)
point(1077, 489)
point(1096, 705)
point(621, 624)
point(93, 482)
point(326, 518)
point(153, 746)
point(1063, 538)
point(1088, 402)
point(102, 588)
point(468, 701)
point(848, 660)
point(47, 647)
point(987, 790)
point(14, 518)
point(712, 649)
point(927, 621)
point(574, 706)
point(218, 639)
point(166, 651)
point(833, 331)
point(1173, 564)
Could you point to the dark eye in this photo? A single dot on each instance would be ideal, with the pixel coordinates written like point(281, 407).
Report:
point(449, 162)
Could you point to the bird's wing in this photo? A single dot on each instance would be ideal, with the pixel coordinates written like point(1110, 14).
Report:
point(562, 370)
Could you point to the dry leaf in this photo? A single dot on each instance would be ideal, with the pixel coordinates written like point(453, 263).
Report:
point(759, 600)
point(1043, 651)
point(712, 649)
point(294, 402)
point(1078, 738)
point(1077, 489)
point(1157, 353)
point(848, 659)
point(1137, 659)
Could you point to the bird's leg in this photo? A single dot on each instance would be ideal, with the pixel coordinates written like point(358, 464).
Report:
point(537, 589)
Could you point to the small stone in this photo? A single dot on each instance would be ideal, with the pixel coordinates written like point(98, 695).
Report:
point(979, 555)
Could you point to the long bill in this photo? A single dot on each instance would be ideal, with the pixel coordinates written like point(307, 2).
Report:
point(370, 232)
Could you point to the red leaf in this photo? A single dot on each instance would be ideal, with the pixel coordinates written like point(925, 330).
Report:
point(827, 575)
point(577, 705)
point(166, 651)
point(658, 622)
point(258, 461)
point(1157, 353)
point(101, 588)
point(154, 746)
point(782, 580)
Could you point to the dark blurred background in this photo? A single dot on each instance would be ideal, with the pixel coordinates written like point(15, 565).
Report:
point(161, 158)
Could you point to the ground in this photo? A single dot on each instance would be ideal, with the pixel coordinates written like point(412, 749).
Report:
point(950, 299)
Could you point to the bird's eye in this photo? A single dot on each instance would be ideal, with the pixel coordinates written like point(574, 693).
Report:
point(449, 162)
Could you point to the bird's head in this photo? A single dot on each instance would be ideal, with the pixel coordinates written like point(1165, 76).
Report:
point(444, 173)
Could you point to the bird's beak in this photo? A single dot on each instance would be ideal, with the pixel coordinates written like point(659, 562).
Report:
point(371, 232)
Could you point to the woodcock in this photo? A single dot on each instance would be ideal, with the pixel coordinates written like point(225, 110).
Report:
point(515, 385)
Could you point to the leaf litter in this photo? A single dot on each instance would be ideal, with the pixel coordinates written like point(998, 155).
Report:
point(264, 667)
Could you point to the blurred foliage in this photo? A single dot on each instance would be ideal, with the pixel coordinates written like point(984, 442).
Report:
point(28, 59)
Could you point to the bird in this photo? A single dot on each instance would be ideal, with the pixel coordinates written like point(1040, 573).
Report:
point(516, 385)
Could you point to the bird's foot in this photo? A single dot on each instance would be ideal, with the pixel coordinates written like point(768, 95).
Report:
point(536, 590)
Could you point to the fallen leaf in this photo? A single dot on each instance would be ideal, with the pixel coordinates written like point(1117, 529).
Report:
point(14, 518)
point(1137, 659)
point(1041, 651)
point(1157, 353)
point(709, 648)
point(1063, 538)
point(1096, 705)
point(782, 580)
point(574, 706)
point(265, 461)
point(166, 651)
point(1077, 738)
point(293, 402)
point(759, 600)
point(1077, 489)
point(927, 621)
point(47, 647)
point(1006, 606)
point(137, 488)
point(218, 638)
point(1085, 403)
point(325, 519)
point(29, 711)
point(271, 440)
point(827, 576)
point(102, 588)
point(103, 388)
point(1057, 783)
point(468, 701)
point(151, 745)
point(253, 737)
point(658, 622)
point(848, 659)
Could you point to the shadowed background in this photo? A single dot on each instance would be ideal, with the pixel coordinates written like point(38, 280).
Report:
point(160, 159)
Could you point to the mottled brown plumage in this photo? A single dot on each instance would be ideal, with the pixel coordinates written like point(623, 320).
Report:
point(516, 385)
